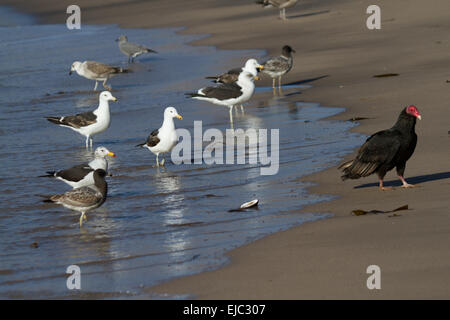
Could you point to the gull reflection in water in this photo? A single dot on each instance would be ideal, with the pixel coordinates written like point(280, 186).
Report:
point(168, 184)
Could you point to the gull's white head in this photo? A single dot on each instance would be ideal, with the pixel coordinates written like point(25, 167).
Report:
point(252, 66)
point(171, 112)
point(107, 96)
point(75, 67)
point(102, 152)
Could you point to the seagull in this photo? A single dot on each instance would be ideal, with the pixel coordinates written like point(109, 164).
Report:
point(83, 175)
point(278, 66)
point(86, 198)
point(280, 4)
point(232, 75)
point(229, 94)
point(88, 123)
point(130, 49)
point(163, 140)
point(97, 71)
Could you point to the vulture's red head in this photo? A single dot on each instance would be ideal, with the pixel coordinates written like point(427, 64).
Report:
point(412, 110)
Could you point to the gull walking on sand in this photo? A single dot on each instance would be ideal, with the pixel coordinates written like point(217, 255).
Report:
point(280, 4)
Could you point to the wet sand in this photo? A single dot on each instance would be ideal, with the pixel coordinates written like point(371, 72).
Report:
point(328, 258)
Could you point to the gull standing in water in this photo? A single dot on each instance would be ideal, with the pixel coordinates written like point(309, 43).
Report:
point(83, 175)
point(88, 123)
point(163, 140)
point(280, 4)
point(278, 66)
point(97, 71)
point(130, 49)
point(229, 94)
point(84, 199)
point(232, 75)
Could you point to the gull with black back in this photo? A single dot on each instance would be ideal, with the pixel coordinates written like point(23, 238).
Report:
point(163, 140)
point(89, 123)
point(83, 175)
point(228, 94)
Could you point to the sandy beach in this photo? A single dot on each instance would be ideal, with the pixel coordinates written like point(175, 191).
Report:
point(328, 259)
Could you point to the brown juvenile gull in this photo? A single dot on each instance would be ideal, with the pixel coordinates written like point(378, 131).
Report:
point(278, 66)
point(89, 123)
point(97, 71)
point(130, 49)
point(83, 175)
point(280, 4)
point(84, 199)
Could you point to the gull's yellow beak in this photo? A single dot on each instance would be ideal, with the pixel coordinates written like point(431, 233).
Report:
point(111, 154)
point(256, 78)
point(114, 99)
point(260, 67)
point(179, 117)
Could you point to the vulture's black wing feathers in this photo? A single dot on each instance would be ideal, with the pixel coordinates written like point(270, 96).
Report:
point(379, 150)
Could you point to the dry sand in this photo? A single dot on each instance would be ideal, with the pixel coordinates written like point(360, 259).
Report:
point(328, 259)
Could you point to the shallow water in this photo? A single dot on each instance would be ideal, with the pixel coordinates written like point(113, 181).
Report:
point(155, 224)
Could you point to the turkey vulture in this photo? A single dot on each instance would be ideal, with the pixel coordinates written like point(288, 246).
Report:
point(385, 150)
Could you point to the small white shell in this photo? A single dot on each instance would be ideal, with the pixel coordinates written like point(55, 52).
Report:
point(250, 204)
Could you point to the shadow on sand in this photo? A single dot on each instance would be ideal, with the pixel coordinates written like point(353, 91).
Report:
point(305, 81)
point(308, 14)
point(411, 180)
